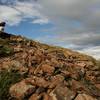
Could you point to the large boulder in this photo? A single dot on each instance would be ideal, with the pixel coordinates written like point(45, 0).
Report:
point(61, 92)
point(21, 89)
point(38, 81)
point(84, 97)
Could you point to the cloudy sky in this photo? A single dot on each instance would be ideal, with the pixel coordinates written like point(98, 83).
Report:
point(71, 24)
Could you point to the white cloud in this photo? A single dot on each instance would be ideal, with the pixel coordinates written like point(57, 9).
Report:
point(65, 12)
point(93, 51)
point(20, 11)
point(41, 21)
point(10, 15)
point(75, 41)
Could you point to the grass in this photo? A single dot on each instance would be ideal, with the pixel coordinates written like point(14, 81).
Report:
point(5, 50)
point(7, 78)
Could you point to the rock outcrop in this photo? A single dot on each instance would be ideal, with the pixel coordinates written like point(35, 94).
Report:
point(46, 72)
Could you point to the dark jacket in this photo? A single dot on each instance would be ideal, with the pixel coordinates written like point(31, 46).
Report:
point(2, 24)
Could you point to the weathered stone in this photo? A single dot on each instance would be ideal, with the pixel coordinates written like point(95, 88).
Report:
point(84, 97)
point(47, 68)
point(23, 70)
point(97, 86)
point(34, 97)
point(11, 64)
point(75, 75)
point(61, 92)
point(18, 48)
point(40, 90)
point(97, 80)
point(31, 70)
point(56, 80)
point(47, 97)
point(20, 90)
point(77, 86)
point(81, 64)
point(38, 81)
point(90, 76)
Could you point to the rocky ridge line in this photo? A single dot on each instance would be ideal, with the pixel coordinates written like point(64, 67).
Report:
point(46, 72)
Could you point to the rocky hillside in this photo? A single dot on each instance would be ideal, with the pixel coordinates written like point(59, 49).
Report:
point(33, 71)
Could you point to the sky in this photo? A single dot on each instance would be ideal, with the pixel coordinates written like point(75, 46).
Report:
point(73, 24)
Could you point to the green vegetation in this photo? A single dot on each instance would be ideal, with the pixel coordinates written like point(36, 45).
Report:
point(5, 50)
point(7, 78)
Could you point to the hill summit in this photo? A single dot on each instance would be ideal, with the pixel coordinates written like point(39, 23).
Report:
point(31, 70)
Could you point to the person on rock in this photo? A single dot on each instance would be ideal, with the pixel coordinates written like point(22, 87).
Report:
point(2, 26)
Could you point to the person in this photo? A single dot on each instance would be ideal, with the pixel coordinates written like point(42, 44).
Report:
point(2, 26)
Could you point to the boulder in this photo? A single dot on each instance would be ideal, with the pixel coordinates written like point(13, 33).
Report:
point(47, 97)
point(61, 92)
point(11, 64)
point(84, 97)
point(21, 89)
point(45, 68)
point(97, 86)
point(77, 86)
point(34, 97)
point(55, 81)
point(37, 81)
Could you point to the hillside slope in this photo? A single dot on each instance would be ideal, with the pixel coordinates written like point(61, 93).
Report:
point(33, 71)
